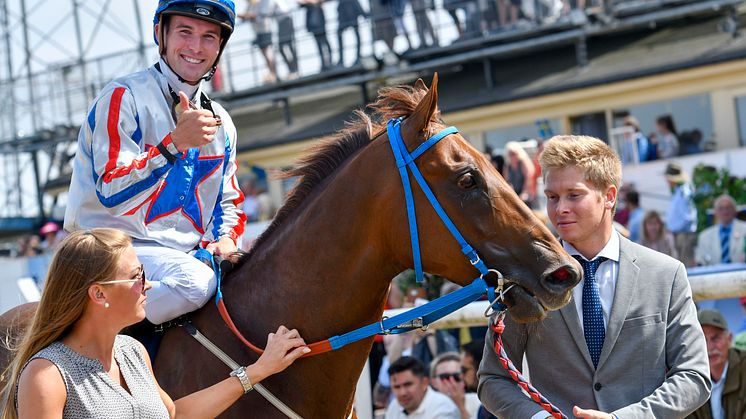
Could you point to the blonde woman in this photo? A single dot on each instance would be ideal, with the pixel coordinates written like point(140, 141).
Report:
point(519, 172)
point(655, 235)
point(73, 364)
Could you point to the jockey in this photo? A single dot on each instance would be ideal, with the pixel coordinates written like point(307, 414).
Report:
point(157, 159)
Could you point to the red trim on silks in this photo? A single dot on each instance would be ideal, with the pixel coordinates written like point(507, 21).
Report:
point(136, 164)
point(498, 327)
point(317, 348)
point(112, 128)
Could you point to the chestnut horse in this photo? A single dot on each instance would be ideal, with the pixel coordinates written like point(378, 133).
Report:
point(325, 263)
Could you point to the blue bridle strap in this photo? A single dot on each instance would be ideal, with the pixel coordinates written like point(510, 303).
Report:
point(406, 161)
point(428, 313)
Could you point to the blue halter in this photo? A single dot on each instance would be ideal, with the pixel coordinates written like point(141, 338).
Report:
point(406, 160)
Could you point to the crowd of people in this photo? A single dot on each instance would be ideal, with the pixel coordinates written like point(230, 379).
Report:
point(275, 24)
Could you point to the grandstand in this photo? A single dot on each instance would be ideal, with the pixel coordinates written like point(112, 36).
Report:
point(581, 72)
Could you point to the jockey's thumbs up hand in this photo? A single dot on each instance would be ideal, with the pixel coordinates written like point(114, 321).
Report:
point(194, 127)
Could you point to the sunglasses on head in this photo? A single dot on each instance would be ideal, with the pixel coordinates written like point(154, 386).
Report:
point(140, 277)
point(452, 375)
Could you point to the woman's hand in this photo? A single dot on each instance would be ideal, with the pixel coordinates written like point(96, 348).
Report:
point(283, 348)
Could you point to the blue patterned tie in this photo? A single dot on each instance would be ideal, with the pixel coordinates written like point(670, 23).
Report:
point(593, 314)
point(725, 244)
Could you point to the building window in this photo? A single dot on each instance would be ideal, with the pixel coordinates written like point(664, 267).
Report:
point(741, 114)
point(692, 120)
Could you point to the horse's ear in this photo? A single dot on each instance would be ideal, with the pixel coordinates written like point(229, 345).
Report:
point(420, 85)
point(420, 117)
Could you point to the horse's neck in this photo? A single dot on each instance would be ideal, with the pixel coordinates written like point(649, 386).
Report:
point(324, 270)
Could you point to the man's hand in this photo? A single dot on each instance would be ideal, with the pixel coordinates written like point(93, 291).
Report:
point(223, 247)
point(590, 413)
point(194, 127)
point(455, 390)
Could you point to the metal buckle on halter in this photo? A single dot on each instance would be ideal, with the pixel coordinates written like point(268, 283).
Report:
point(500, 292)
point(477, 260)
point(417, 323)
point(384, 331)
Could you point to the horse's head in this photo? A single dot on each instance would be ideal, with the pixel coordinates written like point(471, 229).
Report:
point(483, 206)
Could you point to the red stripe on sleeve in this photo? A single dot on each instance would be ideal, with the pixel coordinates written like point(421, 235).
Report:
point(112, 127)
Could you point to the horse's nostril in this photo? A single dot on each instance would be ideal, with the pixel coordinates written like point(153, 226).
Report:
point(561, 275)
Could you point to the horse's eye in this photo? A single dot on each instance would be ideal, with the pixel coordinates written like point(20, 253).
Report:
point(467, 181)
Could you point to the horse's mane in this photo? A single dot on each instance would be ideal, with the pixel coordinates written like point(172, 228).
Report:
point(328, 154)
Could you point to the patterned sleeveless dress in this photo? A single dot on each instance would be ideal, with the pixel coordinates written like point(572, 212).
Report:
point(91, 393)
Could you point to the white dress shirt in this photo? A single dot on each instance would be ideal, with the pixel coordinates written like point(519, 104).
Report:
point(433, 405)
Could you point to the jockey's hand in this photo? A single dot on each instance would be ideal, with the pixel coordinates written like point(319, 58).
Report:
point(224, 248)
point(283, 347)
point(590, 413)
point(194, 127)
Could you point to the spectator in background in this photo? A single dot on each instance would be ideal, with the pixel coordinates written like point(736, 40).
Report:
point(498, 161)
point(384, 29)
point(452, 6)
point(636, 215)
point(635, 147)
point(519, 172)
point(428, 36)
point(727, 371)
point(348, 12)
point(29, 246)
point(691, 142)
point(447, 377)
point(508, 11)
point(668, 138)
point(538, 181)
point(740, 338)
point(52, 235)
point(471, 357)
point(724, 241)
point(681, 217)
point(656, 237)
point(261, 14)
point(316, 25)
point(414, 397)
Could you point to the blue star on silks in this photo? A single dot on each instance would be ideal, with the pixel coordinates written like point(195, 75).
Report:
point(179, 189)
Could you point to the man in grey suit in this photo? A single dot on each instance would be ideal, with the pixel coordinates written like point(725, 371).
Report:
point(628, 345)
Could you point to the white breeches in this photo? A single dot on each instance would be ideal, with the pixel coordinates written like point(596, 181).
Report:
point(181, 283)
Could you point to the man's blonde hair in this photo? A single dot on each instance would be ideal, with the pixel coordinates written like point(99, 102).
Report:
point(600, 165)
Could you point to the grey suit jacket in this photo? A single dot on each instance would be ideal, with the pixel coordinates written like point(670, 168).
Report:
point(654, 359)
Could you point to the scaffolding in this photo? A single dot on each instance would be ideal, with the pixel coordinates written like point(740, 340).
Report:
point(48, 77)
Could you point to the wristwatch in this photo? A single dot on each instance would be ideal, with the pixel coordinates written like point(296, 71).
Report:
point(240, 373)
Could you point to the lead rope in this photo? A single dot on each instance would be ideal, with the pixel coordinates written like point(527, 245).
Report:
point(498, 326)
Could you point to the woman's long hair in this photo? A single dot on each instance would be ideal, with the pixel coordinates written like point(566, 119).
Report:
point(83, 258)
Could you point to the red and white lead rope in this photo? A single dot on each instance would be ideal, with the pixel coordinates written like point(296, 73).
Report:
point(497, 329)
